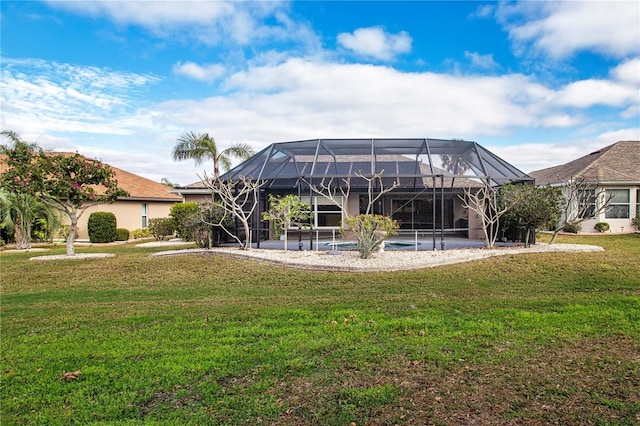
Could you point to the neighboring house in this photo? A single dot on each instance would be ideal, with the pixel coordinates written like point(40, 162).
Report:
point(147, 199)
point(613, 172)
point(430, 174)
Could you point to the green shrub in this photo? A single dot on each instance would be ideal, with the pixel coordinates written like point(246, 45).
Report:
point(636, 222)
point(160, 227)
point(602, 227)
point(572, 228)
point(141, 233)
point(102, 227)
point(122, 234)
point(371, 230)
point(183, 215)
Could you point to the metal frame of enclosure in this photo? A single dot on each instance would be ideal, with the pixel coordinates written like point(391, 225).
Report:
point(430, 168)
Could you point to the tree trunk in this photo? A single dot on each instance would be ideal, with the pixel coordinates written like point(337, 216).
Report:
point(247, 235)
point(71, 251)
point(22, 236)
point(554, 235)
point(527, 233)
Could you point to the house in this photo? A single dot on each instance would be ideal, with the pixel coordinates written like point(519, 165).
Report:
point(612, 173)
point(147, 199)
point(428, 177)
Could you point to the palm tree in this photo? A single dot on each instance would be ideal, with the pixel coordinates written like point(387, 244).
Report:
point(168, 183)
point(201, 147)
point(455, 163)
point(18, 213)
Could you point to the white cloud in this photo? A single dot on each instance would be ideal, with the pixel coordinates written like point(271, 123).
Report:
point(374, 42)
point(302, 99)
point(587, 93)
point(298, 99)
point(562, 28)
point(208, 22)
point(483, 11)
point(44, 96)
point(481, 61)
point(206, 72)
point(543, 155)
point(628, 71)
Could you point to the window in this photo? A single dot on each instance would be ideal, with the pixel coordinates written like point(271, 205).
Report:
point(324, 212)
point(619, 204)
point(144, 215)
point(418, 213)
point(638, 203)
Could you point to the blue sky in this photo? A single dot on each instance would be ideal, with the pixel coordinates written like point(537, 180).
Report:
point(538, 83)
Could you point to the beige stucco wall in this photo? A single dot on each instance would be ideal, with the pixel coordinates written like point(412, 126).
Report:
point(128, 214)
point(617, 225)
point(198, 198)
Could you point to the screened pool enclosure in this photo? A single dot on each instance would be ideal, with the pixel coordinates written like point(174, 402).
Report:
point(428, 177)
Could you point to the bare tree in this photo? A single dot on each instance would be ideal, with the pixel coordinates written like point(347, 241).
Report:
point(238, 199)
point(485, 202)
point(370, 230)
point(338, 192)
point(581, 202)
point(334, 193)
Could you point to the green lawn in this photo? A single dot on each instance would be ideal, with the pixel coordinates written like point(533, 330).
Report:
point(204, 339)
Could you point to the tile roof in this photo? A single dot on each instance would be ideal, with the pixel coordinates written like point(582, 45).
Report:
point(139, 188)
point(619, 162)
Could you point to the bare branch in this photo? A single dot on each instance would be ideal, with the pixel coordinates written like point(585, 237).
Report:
point(238, 199)
point(581, 202)
point(334, 193)
point(485, 203)
point(330, 191)
point(370, 184)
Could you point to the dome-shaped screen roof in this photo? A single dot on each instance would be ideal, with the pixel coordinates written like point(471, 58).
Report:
point(414, 163)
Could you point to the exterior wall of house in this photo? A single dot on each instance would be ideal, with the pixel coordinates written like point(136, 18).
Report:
point(129, 214)
point(475, 226)
point(618, 225)
point(198, 198)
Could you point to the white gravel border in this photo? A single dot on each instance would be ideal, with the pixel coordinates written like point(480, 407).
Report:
point(387, 261)
point(79, 256)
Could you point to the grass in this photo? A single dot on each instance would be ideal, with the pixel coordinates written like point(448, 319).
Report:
point(203, 339)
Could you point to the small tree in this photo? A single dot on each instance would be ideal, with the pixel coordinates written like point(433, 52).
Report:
point(210, 222)
point(25, 217)
point(239, 200)
point(532, 207)
point(19, 205)
point(371, 230)
point(72, 183)
point(67, 183)
point(286, 212)
point(368, 228)
point(485, 202)
point(581, 200)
